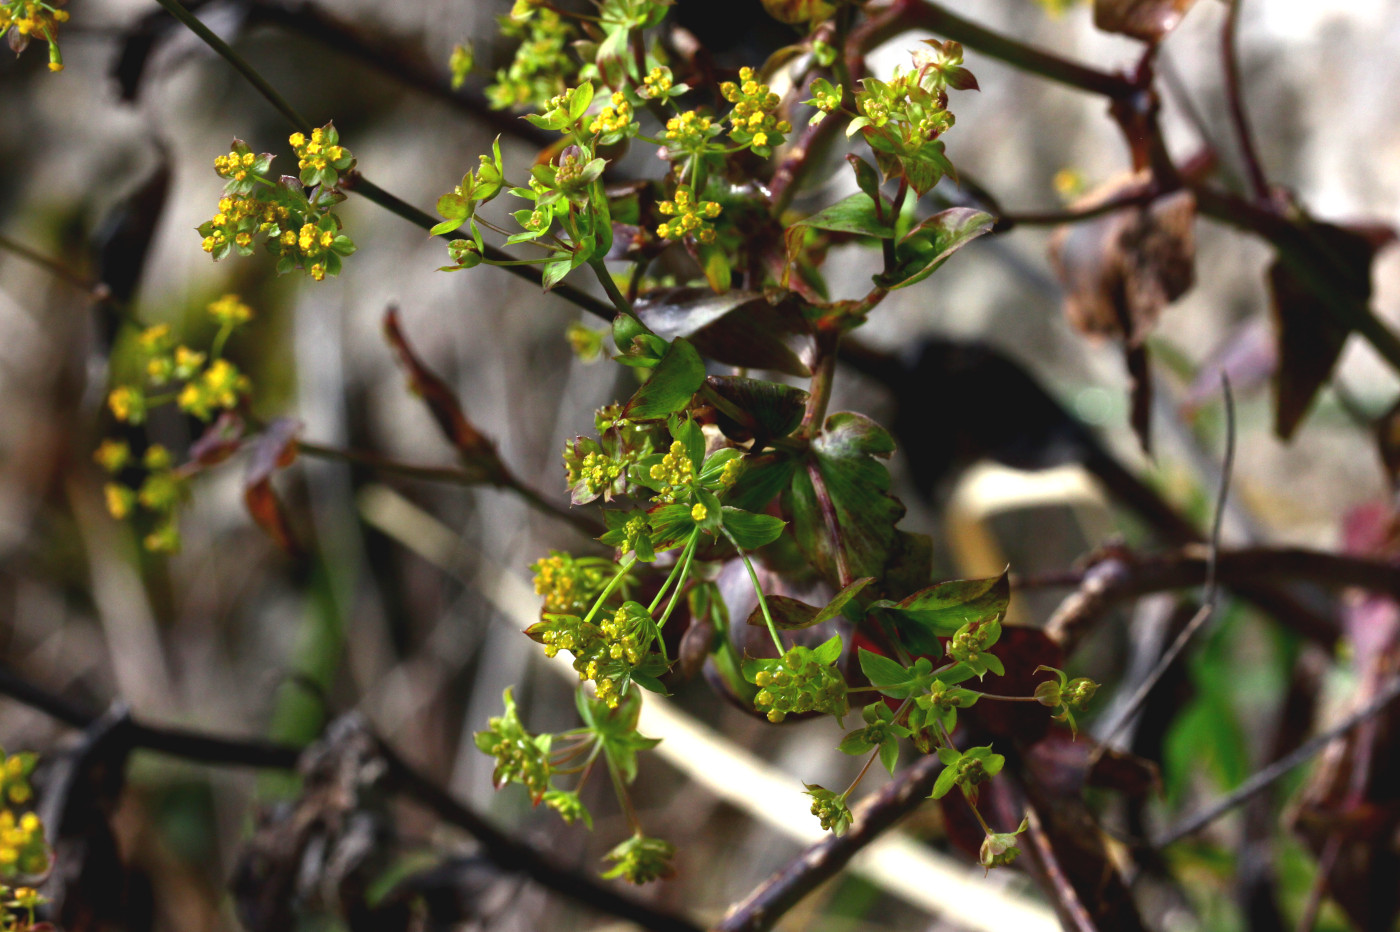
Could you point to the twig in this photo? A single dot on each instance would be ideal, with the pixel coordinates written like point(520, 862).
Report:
point(1229, 53)
point(1270, 774)
point(1024, 57)
point(1071, 906)
point(454, 476)
point(1138, 575)
point(1210, 594)
point(822, 861)
point(356, 181)
point(97, 291)
point(513, 855)
point(1137, 198)
point(500, 848)
point(176, 742)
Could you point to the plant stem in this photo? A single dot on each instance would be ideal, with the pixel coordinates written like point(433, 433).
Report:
point(624, 798)
point(1024, 57)
point(619, 300)
point(680, 583)
point(671, 577)
point(95, 290)
point(613, 583)
point(269, 93)
point(819, 390)
point(451, 475)
point(758, 590)
point(861, 776)
point(1234, 96)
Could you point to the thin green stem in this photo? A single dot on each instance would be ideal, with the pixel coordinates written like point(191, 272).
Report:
point(682, 562)
point(680, 583)
point(237, 61)
point(615, 295)
point(623, 568)
point(861, 776)
point(624, 798)
point(758, 590)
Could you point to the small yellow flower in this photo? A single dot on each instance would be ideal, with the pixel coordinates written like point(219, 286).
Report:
point(699, 512)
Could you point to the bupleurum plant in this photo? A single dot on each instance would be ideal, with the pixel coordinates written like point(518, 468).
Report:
point(707, 265)
point(24, 852)
point(695, 471)
point(23, 21)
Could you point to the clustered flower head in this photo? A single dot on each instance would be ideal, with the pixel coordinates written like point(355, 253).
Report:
point(658, 83)
point(641, 859)
point(321, 158)
point(691, 216)
point(689, 132)
point(802, 680)
point(753, 121)
point(299, 228)
point(614, 120)
point(568, 585)
point(830, 808)
point(674, 472)
point(607, 653)
point(22, 846)
point(210, 388)
point(27, 20)
point(520, 756)
point(542, 66)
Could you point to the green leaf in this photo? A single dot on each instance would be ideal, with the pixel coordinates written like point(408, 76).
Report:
point(671, 526)
point(867, 178)
point(889, 755)
point(751, 531)
point(555, 271)
point(677, 377)
point(755, 409)
point(947, 779)
point(579, 100)
point(792, 614)
point(856, 214)
point(691, 437)
point(928, 245)
point(882, 671)
point(843, 516)
point(940, 610)
point(829, 652)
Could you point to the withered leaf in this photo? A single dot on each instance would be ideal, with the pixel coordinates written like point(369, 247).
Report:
point(1311, 336)
point(474, 448)
point(740, 328)
point(1120, 270)
point(275, 448)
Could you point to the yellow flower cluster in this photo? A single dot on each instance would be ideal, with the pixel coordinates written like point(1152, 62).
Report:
point(614, 118)
point(241, 218)
point(657, 83)
point(690, 215)
point(317, 152)
point(22, 846)
point(675, 472)
point(211, 385)
point(236, 165)
point(752, 121)
point(230, 311)
point(161, 492)
point(567, 585)
point(33, 19)
point(688, 131)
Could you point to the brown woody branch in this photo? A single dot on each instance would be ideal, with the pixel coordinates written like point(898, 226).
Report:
point(825, 859)
point(501, 849)
point(1118, 576)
